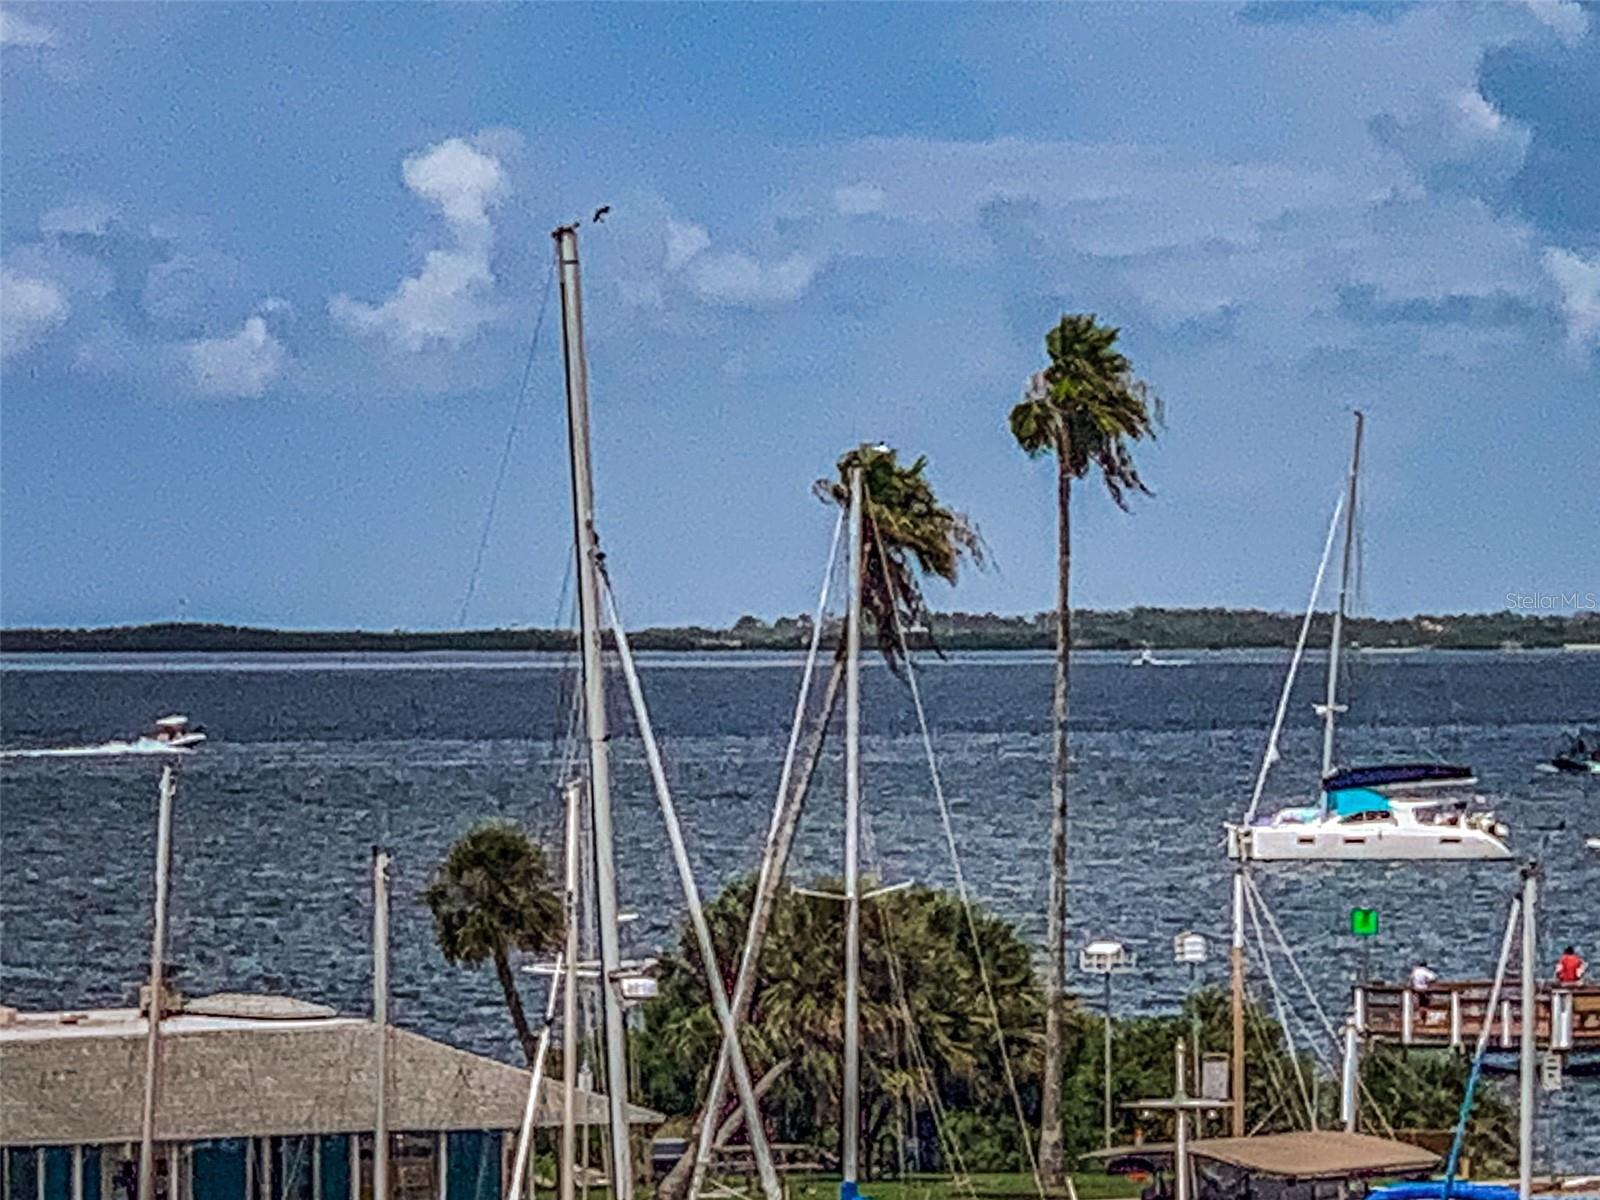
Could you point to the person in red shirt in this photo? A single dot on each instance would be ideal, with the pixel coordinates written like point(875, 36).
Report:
point(1570, 968)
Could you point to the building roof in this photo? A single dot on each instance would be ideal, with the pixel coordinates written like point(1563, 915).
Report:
point(78, 1078)
point(1329, 1154)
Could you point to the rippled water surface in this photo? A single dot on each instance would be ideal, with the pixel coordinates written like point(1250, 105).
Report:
point(315, 759)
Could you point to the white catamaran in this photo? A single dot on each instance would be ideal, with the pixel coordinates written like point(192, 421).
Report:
point(1412, 810)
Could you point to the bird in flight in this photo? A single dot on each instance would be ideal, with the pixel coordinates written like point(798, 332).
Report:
point(600, 213)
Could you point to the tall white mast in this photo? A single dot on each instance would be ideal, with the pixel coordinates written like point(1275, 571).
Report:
point(569, 998)
point(1330, 707)
point(594, 703)
point(158, 954)
point(851, 1133)
point(1527, 1063)
point(380, 1020)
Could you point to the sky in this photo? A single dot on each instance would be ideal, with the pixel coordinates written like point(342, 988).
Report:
point(271, 278)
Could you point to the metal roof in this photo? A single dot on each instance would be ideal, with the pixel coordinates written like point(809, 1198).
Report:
point(78, 1078)
point(1329, 1154)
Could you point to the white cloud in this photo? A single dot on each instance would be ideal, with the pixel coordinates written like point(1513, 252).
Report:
point(728, 277)
point(1566, 17)
point(78, 217)
point(858, 199)
point(241, 365)
point(684, 241)
point(731, 277)
point(17, 30)
point(30, 307)
point(1579, 281)
point(449, 300)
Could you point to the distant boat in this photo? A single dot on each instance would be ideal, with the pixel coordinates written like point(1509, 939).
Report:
point(1366, 812)
point(169, 735)
point(1577, 757)
point(1147, 658)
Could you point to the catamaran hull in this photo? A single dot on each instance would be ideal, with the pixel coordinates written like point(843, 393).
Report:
point(1290, 843)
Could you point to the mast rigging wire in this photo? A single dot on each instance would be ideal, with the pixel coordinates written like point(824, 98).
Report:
point(505, 451)
point(960, 877)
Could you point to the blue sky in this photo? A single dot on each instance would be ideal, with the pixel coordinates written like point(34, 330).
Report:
point(271, 273)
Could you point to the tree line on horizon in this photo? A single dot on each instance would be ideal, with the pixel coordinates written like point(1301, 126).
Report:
point(1208, 628)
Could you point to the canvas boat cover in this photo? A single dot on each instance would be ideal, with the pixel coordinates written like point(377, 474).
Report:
point(1390, 774)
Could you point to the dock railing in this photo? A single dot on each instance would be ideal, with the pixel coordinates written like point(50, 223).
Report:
point(1452, 1012)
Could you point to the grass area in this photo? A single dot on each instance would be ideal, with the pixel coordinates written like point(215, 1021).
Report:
point(1090, 1186)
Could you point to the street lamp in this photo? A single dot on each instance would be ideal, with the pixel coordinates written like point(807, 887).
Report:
point(1106, 957)
point(1192, 949)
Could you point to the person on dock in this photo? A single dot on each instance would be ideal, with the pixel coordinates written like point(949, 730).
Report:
point(1570, 967)
point(1422, 978)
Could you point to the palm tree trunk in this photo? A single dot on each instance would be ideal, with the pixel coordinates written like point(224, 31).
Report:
point(675, 1184)
point(1051, 1157)
point(519, 1018)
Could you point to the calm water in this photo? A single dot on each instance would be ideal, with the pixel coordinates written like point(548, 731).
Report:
point(316, 759)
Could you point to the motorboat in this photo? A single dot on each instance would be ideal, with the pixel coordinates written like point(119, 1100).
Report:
point(1147, 658)
point(1577, 757)
point(1419, 810)
point(169, 735)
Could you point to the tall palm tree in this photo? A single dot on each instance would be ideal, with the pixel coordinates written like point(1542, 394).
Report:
point(495, 893)
point(1085, 407)
point(907, 533)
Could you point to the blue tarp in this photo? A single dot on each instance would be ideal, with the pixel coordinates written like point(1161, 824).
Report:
point(1434, 1190)
point(1351, 801)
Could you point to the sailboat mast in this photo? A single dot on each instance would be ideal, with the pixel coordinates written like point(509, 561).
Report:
point(1330, 707)
point(594, 702)
point(380, 1020)
point(851, 1133)
point(569, 998)
point(158, 987)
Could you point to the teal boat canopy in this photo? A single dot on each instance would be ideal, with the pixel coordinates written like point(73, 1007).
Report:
point(1349, 802)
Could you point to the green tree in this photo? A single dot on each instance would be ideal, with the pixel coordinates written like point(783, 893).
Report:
point(1085, 407)
point(908, 533)
point(926, 1033)
point(492, 894)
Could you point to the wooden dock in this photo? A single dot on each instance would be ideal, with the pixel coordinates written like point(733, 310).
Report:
point(1453, 1013)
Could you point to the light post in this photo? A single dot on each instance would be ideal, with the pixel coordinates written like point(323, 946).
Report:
point(1192, 949)
point(1106, 957)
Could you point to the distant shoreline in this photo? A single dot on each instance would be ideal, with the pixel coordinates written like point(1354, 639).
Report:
point(1125, 629)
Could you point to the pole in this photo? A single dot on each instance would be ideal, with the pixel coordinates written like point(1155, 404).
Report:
point(158, 955)
point(851, 1134)
point(1180, 1145)
point(1194, 1037)
point(754, 1131)
point(1530, 1016)
point(594, 703)
point(519, 1162)
point(1350, 1080)
point(380, 1020)
point(569, 998)
point(1330, 706)
point(1107, 1081)
point(1236, 961)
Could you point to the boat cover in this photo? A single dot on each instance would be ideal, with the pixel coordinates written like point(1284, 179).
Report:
point(1388, 774)
point(1350, 801)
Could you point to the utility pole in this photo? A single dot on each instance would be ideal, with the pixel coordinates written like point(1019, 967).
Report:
point(594, 704)
point(380, 1020)
point(851, 1133)
point(158, 987)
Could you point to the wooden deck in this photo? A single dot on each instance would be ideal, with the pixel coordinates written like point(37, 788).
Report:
point(1452, 1013)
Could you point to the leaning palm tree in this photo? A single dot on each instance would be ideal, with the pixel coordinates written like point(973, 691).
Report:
point(492, 894)
point(1085, 407)
point(906, 534)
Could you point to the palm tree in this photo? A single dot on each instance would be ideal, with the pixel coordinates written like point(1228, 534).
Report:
point(906, 534)
point(1084, 407)
point(492, 894)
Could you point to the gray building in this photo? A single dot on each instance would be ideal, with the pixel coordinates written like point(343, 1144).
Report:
point(260, 1098)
